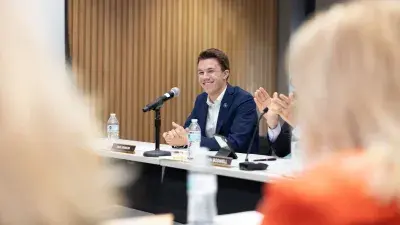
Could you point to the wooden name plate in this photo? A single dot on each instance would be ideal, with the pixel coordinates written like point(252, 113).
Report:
point(124, 148)
point(220, 161)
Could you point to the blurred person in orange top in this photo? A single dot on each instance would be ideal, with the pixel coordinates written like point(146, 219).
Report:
point(345, 65)
point(48, 171)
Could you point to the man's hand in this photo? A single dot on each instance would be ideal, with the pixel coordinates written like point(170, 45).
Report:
point(177, 136)
point(284, 106)
point(262, 99)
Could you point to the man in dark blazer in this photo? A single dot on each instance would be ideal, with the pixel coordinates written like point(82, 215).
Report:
point(227, 114)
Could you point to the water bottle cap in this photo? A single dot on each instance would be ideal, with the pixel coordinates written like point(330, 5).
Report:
point(112, 114)
point(194, 120)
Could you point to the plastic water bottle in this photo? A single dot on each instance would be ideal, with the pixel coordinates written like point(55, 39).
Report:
point(194, 137)
point(202, 190)
point(113, 127)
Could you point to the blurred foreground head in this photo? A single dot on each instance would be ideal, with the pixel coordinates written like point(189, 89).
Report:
point(48, 173)
point(345, 65)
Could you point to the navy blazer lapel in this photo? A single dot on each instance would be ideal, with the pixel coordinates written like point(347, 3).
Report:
point(224, 108)
point(203, 116)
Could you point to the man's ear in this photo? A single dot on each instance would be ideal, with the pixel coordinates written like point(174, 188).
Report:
point(226, 74)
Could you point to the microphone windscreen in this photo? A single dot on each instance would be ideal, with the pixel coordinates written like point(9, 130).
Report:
point(176, 91)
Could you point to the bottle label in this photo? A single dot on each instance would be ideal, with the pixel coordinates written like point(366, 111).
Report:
point(113, 128)
point(194, 136)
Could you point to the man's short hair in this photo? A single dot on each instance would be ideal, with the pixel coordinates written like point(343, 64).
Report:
point(213, 53)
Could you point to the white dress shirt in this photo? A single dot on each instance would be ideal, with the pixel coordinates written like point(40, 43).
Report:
point(274, 133)
point(212, 116)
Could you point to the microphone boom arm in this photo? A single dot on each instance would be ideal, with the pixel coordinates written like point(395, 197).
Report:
point(251, 166)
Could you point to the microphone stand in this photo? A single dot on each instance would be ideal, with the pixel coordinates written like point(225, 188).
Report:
point(157, 123)
point(251, 166)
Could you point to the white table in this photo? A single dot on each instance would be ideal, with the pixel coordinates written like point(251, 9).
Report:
point(103, 147)
point(243, 218)
point(138, 217)
point(280, 168)
point(243, 186)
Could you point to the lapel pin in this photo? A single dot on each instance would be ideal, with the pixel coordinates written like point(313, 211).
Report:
point(225, 105)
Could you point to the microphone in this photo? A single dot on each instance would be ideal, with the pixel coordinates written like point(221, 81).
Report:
point(251, 166)
point(174, 92)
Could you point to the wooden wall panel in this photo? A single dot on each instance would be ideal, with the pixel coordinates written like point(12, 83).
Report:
point(125, 53)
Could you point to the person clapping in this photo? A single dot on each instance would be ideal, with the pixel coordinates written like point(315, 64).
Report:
point(279, 105)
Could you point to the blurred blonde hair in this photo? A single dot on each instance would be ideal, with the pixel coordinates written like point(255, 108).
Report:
point(48, 171)
point(345, 65)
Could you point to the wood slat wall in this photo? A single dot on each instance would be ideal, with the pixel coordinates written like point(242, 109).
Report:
point(125, 53)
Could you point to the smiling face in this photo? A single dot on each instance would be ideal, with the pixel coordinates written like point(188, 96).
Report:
point(211, 77)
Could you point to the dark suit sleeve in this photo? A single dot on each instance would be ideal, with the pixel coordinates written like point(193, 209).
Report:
point(243, 125)
point(281, 146)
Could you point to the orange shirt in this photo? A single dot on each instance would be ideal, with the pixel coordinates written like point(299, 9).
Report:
point(325, 195)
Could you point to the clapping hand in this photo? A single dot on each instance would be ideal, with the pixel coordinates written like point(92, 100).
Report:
point(284, 106)
point(278, 104)
point(177, 136)
point(263, 100)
